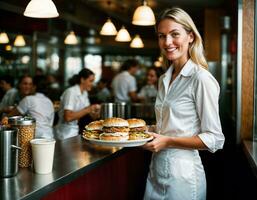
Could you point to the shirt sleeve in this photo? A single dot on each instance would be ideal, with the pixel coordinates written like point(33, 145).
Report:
point(69, 100)
point(23, 106)
point(142, 92)
point(132, 85)
point(206, 95)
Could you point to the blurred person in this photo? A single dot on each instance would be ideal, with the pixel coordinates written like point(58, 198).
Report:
point(25, 88)
point(75, 104)
point(148, 92)
point(103, 94)
point(38, 106)
point(8, 100)
point(187, 113)
point(124, 84)
point(52, 82)
point(53, 88)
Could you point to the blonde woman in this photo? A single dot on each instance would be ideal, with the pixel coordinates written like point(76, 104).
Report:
point(186, 110)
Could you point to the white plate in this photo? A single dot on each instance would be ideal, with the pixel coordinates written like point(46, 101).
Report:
point(128, 143)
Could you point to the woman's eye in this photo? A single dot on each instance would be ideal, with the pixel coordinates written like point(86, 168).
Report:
point(161, 36)
point(175, 34)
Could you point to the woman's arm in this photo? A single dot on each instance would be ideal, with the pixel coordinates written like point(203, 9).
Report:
point(70, 115)
point(160, 142)
point(14, 112)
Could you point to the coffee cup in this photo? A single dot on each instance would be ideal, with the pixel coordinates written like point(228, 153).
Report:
point(43, 155)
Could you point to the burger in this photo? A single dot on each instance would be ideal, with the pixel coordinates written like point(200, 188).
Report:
point(137, 129)
point(93, 129)
point(115, 129)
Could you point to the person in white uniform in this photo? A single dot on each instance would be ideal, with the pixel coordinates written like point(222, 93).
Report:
point(75, 105)
point(39, 107)
point(6, 84)
point(148, 92)
point(124, 84)
point(187, 113)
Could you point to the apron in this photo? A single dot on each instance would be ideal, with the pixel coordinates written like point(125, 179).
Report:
point(176, 174)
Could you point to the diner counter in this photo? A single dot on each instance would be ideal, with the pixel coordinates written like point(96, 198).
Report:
point(73, 158)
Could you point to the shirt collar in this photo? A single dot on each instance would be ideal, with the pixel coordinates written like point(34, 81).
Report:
point(187, 70)
point(77, 90)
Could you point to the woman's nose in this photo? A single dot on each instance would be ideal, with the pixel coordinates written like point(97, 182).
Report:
point(168, 40)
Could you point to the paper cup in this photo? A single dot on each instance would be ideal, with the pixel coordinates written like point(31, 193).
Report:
point(43, 155)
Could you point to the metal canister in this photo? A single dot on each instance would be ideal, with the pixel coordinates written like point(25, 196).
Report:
point(8, 151)
point(123, 110)
point(26, 127)
point(108, 110)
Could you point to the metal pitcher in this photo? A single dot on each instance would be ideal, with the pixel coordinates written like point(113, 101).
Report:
point(108, 110)
point(8, 151)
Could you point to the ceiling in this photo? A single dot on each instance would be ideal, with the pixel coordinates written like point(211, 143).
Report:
point(85, 15)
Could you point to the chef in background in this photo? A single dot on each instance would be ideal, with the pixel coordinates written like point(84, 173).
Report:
point(75, 104)
point(38, 106)
point(124, 84)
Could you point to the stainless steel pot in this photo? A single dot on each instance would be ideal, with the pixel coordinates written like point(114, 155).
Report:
point(123, 110)
point(108, 110)
point(8, 151)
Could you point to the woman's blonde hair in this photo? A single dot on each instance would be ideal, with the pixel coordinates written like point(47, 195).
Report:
point(196, 51)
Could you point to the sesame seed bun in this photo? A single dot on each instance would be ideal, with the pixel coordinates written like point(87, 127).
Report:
point(115, 122)
point(95, 125)
point(134, 123)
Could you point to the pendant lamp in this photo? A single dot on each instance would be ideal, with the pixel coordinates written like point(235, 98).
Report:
point(19, 41)
point(8, 47)
point(4, 38)
point(41, 9)
point(143, 16)
point(137, 42)
point(123, 35)
point(71, 39)
point(108, 28)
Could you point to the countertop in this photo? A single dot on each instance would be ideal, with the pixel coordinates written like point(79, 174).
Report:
point(250, 147)
point(73, 158)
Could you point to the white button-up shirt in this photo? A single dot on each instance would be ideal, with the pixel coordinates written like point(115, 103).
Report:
point(72, 99)
point(189, 106)
point(9, 98)
point(41, 108)
point(122, 84)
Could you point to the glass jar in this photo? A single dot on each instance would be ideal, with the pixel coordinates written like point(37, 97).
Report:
point(26, 127)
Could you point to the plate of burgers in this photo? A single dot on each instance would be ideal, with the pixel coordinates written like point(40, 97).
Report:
point(117, 132)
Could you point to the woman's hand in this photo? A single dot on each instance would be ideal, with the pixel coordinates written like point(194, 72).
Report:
point(158, 143)
point(94, 111)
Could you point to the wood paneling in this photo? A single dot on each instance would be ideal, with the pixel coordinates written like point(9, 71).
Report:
point(212, 34)
point(247, 70)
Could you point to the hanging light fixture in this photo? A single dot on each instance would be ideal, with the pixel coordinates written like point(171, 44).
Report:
point(143, 16)
point(8, 47)
point(19, 41)
point(108, 28)
point(41, 9)
point(71, 39)
point(123, 35)
point(137, 42)
point(4, 38)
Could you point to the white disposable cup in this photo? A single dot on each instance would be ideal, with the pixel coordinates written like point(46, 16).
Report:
point(43, 155)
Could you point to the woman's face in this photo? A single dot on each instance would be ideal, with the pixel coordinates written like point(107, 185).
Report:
point(174, 41)
point(87, 83)
point(26, 86)
point(151, 77)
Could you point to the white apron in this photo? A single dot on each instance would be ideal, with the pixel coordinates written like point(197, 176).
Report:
point(176, 174)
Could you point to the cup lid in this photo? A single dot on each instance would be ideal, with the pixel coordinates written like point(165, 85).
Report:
point(19, 120)
point(42, 141)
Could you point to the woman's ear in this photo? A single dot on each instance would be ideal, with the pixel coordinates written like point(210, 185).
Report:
point(191, 37)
